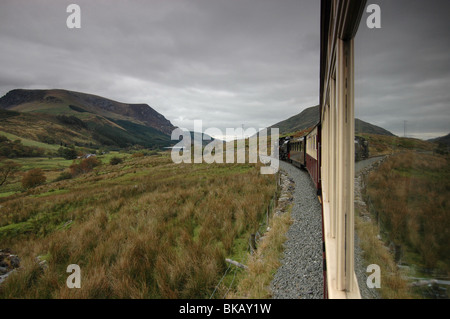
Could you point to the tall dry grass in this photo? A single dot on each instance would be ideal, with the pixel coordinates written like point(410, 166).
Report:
point(146, 228)
point(262, 265)
point(393, 284)
point(411, 192)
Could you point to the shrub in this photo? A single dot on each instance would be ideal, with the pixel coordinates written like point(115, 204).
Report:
point(67, 153)
point(115, 160)
point(136, 155)
point(63, 176)
point(153, 153)
point(33, 178)
point(85, 166)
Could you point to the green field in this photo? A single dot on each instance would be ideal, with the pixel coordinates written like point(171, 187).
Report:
point(29, 142)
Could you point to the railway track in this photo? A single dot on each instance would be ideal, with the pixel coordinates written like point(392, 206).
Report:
point(300, 275)
point(301, 272)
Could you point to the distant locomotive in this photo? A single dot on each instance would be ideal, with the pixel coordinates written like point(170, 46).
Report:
point(303, 152)
point(284, 148)
point(361, 148)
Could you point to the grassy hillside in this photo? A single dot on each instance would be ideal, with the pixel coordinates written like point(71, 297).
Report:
point(64, 102)
point(93, 132)
point(307, 118)
point(362, 127)
point(387, 144)
point(66, 117)
point(146, 228)
point(29, 142)
point(443, 141)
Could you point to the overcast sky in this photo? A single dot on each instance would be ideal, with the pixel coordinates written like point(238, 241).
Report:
point(230, 62)
point(403, 69)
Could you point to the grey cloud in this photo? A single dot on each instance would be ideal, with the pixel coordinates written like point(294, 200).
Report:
point(403, 69)
point(229, 62)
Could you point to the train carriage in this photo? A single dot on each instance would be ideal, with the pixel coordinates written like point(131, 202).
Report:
point(312, 162)
point(297, 151)
point(329, 150)
point(340, 21)
point(304, 152)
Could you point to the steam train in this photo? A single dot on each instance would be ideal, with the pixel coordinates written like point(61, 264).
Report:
point(326, 151)
point(303, 151)
point(361, 148)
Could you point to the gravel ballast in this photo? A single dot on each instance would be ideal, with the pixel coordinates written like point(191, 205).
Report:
point(300, 275)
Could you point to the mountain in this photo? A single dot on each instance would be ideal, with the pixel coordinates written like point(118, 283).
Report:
point(444, 140)
point(310, 117)
point(67, 117)
point(64, 102)
point(364, 127)
point(306, 119)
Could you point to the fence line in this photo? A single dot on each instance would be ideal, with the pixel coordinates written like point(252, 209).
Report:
point(235, 271)
point(269, 209)
point(226, 271)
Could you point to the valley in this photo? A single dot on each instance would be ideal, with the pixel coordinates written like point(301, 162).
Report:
point(106, 194)
point(145, 228)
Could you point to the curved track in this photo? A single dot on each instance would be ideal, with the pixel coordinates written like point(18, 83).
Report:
point(301, 272)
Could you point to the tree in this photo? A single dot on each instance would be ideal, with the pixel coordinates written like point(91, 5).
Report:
point(33, 178)
point(7, 170)
point(67, 153)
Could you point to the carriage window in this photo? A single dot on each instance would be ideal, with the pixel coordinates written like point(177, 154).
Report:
point(403, 162)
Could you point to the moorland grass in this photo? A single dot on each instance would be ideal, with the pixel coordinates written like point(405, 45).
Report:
point(408, 195)
point(146, 228)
